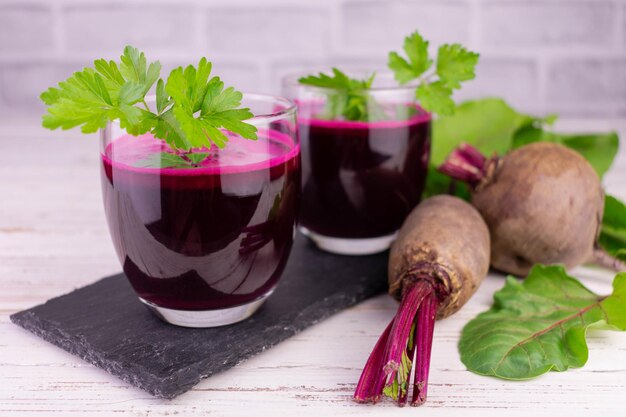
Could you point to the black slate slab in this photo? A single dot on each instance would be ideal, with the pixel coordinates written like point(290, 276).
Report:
point(105, 324)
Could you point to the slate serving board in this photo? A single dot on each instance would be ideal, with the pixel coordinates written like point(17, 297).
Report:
point(105, 324)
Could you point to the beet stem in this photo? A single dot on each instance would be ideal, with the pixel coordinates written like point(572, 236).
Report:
point(373, 368)
point(410, 352)
point(466, 164)
point(424, 340)
point(602, 258)
point(405, 317)
point(410, 333)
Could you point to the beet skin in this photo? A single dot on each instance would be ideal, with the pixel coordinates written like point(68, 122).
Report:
point(543, 203)
point(445, 240)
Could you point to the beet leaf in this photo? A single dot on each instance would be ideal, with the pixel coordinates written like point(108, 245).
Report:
point(539, 324)
point(613, 232)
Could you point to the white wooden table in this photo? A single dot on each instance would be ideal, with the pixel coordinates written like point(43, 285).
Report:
point(53, 238)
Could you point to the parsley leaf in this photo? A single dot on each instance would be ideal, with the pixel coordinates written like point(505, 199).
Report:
point(436, 96)
point(168, 128)
point(416, 49)
point(172, 160)
point(162, 99)
point(455, 64)
point(87, 100)
point(163, 160)
point(348, 98)
point(197, 157)
point(338, 81)
point(133, 68)
point(192, 91)
point(192, 109)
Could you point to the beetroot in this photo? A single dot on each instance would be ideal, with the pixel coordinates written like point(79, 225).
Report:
point(438, 261)
point(543, 203)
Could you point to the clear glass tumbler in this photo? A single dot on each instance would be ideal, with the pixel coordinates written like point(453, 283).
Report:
point(204, 244)
point(362, 177)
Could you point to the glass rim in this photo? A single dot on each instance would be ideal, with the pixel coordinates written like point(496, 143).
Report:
point(291, 79)
point(289, 105)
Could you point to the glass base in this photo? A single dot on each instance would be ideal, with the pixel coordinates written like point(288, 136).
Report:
point(342, 246)
point(206, 318)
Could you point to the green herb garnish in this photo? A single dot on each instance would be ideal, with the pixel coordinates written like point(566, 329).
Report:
point(349, 97)
point(454, 65)
point(172, 160)
point(191, 107)
point(540, 324)
point(164, 160)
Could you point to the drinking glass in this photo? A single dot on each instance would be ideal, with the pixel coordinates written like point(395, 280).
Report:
point(204, 243)
point(360, 178)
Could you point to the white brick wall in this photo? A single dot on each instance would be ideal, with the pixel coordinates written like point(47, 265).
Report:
point(575, 83)
point(379, 25)
point(540, 24)
point(567, 56)
point(99, 28)
point(14, 38)
point(266, 32)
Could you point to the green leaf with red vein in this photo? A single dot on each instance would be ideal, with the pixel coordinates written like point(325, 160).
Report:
point(539, 324)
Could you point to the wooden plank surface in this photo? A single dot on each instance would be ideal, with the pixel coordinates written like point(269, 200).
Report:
point(53, 238)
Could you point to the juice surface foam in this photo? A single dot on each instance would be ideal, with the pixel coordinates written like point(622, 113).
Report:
point(240, 155)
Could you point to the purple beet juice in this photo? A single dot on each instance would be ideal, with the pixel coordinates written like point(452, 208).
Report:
point(212, 236)
point(361, 179)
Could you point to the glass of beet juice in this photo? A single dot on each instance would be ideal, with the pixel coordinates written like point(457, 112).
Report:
point(360, 178)
point(204, 243)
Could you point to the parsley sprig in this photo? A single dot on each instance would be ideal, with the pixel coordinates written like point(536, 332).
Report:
point(192, 107)
point(346, 97)
point(454, 65)
point(350, 98)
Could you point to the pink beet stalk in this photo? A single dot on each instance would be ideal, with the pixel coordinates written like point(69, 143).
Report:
point(466, 164)
point(410, 351)
point(406, 341)
point(424, 341)
point(369, 376)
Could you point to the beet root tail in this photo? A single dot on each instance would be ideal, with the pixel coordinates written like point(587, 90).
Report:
point(602, 258)
point(407, 340)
